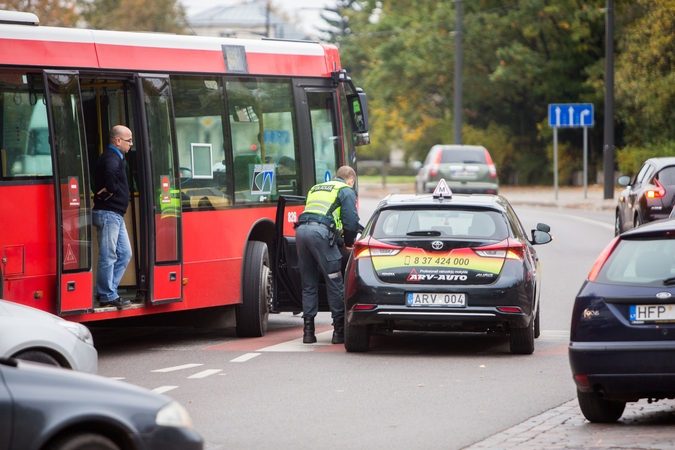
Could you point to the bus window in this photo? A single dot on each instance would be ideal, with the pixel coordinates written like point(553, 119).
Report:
point(200, 110)
point(24, 142)
point(325, 136)
point(262, 123)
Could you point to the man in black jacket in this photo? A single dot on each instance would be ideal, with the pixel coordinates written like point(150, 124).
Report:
point(110, 204)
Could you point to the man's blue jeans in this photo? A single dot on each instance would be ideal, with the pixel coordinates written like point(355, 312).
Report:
point(114, 252)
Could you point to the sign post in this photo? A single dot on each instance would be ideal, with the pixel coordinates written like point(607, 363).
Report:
point(570, 115)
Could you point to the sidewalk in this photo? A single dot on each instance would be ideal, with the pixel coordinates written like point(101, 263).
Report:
point(568, 196)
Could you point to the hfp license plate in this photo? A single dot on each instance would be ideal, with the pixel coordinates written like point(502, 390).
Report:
point(435, 299)
point(652, 313)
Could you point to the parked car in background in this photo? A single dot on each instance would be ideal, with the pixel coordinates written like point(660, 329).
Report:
point(457, 263)
point(622, 338)
point(648, 197)
point(467, 169)
point(34, 335)
point(46, 408)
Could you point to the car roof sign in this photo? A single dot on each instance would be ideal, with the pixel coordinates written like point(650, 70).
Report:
point(442, 190)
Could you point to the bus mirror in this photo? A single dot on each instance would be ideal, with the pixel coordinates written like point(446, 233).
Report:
point(358, 109)
point(361, 139)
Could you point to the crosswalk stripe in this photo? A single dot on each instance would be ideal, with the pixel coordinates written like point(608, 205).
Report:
point(205, 373)
point(163, 389)
point(245, 357)
point(184, 366)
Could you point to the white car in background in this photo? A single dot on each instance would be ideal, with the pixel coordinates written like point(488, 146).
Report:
point(30, 334)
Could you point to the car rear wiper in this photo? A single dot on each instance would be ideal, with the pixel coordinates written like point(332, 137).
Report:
point(424, 233)
point(669, 281)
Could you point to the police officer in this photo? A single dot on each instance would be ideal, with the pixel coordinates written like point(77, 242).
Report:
point(329, 220)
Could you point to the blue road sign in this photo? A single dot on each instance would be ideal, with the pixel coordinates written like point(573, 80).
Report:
point(570, 115)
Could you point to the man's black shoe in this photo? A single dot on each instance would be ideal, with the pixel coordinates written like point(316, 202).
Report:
point(118, 302)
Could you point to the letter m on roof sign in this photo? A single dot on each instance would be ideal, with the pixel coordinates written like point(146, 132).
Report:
point(442, 190)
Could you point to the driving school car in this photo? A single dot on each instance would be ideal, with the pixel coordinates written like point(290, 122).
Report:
point(444, 262)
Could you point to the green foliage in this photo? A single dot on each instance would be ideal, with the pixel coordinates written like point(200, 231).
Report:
point(167, 16)
point(631, 158)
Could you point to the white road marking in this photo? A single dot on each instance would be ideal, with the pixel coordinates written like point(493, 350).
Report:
point(296, 345)
point(163, 389)
point(245, 357)
point(555, 335)
point(184, 366)
point(205, 373)
point(116, 378)
point(584, 219)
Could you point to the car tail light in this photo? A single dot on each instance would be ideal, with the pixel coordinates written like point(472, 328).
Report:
point(364, 307)
point(491, 166)
point(435, 167)
point(508, 248)
point(509, 309)
point(368, 247)
point(658, 192)
point(601, 259)
point(582, 381)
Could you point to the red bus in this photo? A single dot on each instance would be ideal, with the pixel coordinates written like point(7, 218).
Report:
point(212, 121)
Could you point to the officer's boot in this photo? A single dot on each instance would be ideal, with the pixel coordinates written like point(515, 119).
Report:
point(338, 332)
point(308, 337)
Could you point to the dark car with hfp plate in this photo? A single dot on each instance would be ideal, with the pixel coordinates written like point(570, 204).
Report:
point(622, 340)
point(648, 197)
point(451, 263)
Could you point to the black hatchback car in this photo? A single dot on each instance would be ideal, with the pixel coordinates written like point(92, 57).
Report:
point(648, 197)
point(622, 340)
point(48, 408)
point(459, 263)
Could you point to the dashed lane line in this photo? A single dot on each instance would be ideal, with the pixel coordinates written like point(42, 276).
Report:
point(163, 389)
point(245, 357)
point(184, 366)
point(205, 373)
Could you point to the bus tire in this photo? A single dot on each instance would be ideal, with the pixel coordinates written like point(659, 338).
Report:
point(256, 291)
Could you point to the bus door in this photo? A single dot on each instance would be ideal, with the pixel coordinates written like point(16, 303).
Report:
point(74, 278)
point(159, 169)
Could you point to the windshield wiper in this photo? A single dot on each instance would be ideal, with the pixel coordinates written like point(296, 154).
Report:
point(424, 233)
point(669, 281)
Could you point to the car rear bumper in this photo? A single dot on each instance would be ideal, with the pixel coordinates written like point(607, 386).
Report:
point(625, 370)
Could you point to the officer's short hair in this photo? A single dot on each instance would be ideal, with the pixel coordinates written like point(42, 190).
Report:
point(346, 173)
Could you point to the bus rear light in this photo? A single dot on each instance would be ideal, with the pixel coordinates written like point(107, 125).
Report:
point(582, 380)
point(364, 307)
point(602, 258)
point(658, 192)
point(509, 309)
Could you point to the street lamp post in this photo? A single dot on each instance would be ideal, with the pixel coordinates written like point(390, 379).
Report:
point(609, 102)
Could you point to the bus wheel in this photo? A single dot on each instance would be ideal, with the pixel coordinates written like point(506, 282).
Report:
point(256, 289)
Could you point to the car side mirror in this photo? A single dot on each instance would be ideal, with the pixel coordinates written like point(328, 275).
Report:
point(540, 237)
point(623, 180)
point(543, 227)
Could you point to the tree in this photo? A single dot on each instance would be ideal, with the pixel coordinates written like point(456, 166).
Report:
point(165, 16)
point(56, 13)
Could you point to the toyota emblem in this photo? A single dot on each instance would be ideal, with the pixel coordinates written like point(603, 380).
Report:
point(663, 295)
point(437, 245)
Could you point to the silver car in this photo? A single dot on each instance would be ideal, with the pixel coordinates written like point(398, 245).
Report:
point(467, 169)
point(34, 335)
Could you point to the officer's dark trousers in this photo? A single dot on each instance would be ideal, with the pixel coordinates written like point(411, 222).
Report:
point(315, 255)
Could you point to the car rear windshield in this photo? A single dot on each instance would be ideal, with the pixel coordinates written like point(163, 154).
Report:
point(645, 262)
point(464, 156)
point(469, 224)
